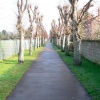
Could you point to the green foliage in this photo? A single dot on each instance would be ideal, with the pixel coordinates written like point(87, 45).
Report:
point(11, 72)
point(88, 74)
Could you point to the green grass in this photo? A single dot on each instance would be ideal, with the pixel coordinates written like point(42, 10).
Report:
point(88, 74)
point(11, 72)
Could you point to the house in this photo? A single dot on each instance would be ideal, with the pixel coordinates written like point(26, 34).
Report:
point(91, 28)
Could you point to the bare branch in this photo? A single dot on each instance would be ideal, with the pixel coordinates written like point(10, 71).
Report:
point(21, 4)
point(25, 6)
point(34, 12)
point(85, 8)
point(28, 9)
point(60, 11)
point(18, 5)
point(72, 2)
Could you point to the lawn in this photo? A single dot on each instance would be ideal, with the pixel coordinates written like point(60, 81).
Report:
point(88, 73)
point(11, 72)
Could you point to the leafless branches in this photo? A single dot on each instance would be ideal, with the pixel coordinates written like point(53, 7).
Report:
point(85, 8)
point(21, 9)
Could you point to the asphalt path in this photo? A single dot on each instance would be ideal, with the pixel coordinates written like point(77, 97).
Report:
point(48, 78)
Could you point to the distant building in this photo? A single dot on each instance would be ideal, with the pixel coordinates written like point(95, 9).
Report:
point(92, 27)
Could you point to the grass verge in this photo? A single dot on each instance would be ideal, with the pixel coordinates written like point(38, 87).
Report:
point(11, 72)
point(88, 74)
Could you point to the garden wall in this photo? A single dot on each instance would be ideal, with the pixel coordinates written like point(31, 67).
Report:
point(91, 50)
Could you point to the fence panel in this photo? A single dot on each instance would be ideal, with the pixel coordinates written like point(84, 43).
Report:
point(11, 47)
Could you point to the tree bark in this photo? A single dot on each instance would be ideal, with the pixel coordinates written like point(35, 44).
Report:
point(21, 9)
point(53, 40)
point(21, 48)
point(56, 40)
point(77, 47)
point(34, 43)
point(67, 44)
point(30, 47)
point(63, 43)
point(37, 42)
point(59, 42)
point(40, 42)
point(76, 36)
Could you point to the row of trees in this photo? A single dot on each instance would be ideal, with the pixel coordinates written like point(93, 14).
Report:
point(4, 35)
point(69, 26)
point(34, 17)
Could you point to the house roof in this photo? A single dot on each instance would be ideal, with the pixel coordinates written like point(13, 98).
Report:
point(90, 20)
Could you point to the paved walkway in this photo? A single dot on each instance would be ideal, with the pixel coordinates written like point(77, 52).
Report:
point(48, 79)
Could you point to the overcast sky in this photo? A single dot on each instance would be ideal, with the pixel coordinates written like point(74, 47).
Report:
point(48, 8)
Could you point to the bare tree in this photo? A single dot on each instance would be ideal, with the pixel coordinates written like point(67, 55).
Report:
point(54, 29)
point(37, 35)
point(59, 32)
point(31, 20)
point(44, 35)
point(76, 20)
point(40, 31)
point(21, 10)
point(65, 15)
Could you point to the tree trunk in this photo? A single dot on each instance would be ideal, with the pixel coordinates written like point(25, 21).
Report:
point(21, 49)
point(52, 40)
point(30, 47)
point(63, 43)
point(55, 40)
point(76, 37)
point(59, 42)
point(40, 42)
point(67, 44)
point(34, 43)
point(77, 47)
point(37, 42)
point(43, 40)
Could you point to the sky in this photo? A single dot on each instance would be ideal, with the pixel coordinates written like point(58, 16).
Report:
point(47, 8)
